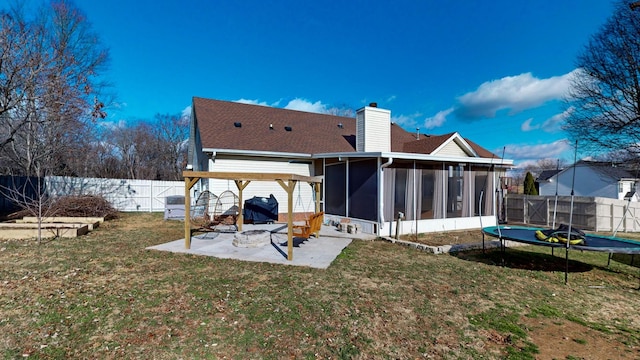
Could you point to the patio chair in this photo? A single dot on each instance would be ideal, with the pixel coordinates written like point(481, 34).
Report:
point(311, 226)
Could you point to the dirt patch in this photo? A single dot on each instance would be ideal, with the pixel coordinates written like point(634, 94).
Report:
point(446, 238)
point(562, 339)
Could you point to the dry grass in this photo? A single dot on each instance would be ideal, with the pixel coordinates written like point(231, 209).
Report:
point(105, 296)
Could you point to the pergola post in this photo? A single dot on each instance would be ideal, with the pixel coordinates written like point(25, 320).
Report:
point(289, 187)
point(241, 185)
point(316, 188)
point(188, 184)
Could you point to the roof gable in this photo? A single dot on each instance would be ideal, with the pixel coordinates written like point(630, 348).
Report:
point(451, 144)
point(455, 145)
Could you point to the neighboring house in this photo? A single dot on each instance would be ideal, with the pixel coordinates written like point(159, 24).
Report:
point(545, 178)
point(593, 178)
point(373, 169)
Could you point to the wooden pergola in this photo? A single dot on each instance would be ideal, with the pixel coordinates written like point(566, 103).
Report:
point(287, 181)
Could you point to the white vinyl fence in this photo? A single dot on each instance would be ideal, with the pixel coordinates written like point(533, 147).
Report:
point(123, 194)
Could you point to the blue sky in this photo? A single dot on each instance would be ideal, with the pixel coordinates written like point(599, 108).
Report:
point(494, 71)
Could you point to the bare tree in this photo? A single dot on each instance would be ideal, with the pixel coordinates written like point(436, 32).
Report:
point(341, 110)
point(172, 132)
point(535, 169)
point(604, 99)
point(50, 65)
point(29, 193)
point(154, 150)
point(21, 67)
point(122, 141)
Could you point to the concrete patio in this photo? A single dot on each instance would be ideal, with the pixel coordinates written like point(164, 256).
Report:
point(314, 252)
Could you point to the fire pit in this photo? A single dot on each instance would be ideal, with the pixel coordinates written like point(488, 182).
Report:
point(252, 238)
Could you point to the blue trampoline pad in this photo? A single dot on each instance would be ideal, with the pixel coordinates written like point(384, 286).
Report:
point(592, 242)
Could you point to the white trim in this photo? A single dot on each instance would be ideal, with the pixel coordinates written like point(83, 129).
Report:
point(458, 139)
point(439, 225)
point(345, 155)
point(381, 167)
point(412, 156)
point(257, 153)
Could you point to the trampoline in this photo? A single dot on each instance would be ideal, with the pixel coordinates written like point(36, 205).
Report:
point(592, 242)
point(608, 244)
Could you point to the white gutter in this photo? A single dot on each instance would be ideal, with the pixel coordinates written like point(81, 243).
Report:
point(257, 153)
point(412, 156)
point(344, 155)
point(381, 194)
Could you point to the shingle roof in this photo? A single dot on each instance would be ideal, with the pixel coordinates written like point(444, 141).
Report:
point(547, 174)
point(425, 145)
point(310, 133)
point(614, 171)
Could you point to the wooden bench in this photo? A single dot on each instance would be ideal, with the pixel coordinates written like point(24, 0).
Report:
point(311, 226)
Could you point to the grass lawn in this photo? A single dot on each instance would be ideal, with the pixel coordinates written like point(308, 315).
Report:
point(104, 296)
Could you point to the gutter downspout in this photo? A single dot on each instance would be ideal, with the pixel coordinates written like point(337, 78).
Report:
point(381, 194)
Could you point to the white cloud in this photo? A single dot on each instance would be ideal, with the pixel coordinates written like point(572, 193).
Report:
point(112, 125)
point(391, 98)
point(438, 119)
point(186, 112)
point(295, 104)
point(252, 102)
point(516, 93)
point(554, 123)
point(185, 115)
point(526, 125)
point(305, 105)
point(403, 120)
point(551, 125)
point(540, 151)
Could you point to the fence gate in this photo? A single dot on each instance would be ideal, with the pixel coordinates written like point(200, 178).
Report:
point(537, 210)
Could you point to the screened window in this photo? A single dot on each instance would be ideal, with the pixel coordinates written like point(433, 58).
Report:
point(455, 182)
point(335, 182)
point(363, 189)
point(428, 188)
point(400, 191)
point(481, 194)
